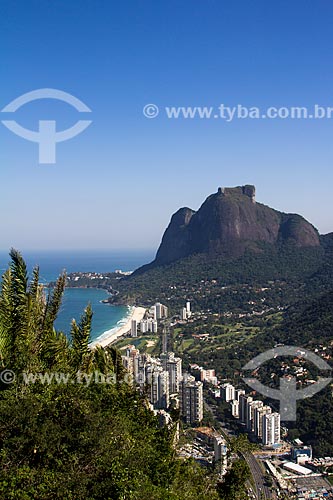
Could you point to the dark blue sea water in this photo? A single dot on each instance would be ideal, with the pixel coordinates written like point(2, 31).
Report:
point(75, 300)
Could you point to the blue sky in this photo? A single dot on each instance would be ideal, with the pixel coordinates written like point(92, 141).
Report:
point(117, 184)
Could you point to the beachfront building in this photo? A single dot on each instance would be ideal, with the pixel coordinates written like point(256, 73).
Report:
point(134, 328)
point(161, 311)
point(191, 399)
point(148, 325)
point(152, 312)
point(143, 326)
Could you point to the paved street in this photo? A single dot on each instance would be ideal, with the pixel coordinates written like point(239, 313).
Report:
point(258, 476)
point(261, 490)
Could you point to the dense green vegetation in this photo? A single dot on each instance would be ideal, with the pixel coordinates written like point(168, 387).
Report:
point(73, 440)
point(210, 282)
point(235, 480)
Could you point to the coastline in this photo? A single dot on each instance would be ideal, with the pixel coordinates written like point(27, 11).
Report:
point(112, 335)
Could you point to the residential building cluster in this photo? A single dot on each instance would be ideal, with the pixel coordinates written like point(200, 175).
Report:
point(167, 387)
point(158, 311)
point(259, 419)
point(149, 324)
point(165, 383)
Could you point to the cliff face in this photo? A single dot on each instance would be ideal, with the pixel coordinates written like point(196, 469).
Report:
point(175, 242)
point(229, 222)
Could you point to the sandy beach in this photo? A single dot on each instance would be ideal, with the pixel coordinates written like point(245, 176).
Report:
point(111, 336)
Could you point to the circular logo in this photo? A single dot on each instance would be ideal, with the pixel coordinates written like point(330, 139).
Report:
point(7, 376)
point(151, 111)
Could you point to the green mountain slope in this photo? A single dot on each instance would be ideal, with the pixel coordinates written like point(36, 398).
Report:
point(232, 241)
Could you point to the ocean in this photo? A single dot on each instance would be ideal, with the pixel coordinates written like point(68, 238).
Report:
point(51, 263)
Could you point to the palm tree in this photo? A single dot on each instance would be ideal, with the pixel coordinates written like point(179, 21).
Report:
point(28, 339)
point(81, 356)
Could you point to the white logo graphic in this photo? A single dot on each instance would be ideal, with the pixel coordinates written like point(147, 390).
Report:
point(150, 111)
point(47, 136)
point(287, 395)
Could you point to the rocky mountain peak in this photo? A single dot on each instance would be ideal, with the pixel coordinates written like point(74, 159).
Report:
point(229, 223)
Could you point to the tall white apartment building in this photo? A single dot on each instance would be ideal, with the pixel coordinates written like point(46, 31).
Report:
point(143, 326)
point(235, 408)
point(140, 362)
point(128, 363)
point(258, 419)
point(191, 399)
point(161, 311)
point(227, 392)
point(159, 388)
point(183, 314)
point(188, 309)
point(153, 312)
point(251, 407)
point(130, 359)
point(244, 400)
point(173, 365)
point(238, 393)
point(148, 325)
point(271, 431)
point(134, 328)
point(154, 327)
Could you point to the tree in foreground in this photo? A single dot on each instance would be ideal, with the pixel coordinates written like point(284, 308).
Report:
point(234, 485)
point(76, 441)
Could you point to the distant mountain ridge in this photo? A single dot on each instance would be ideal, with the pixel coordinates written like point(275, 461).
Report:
point(229, 223)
